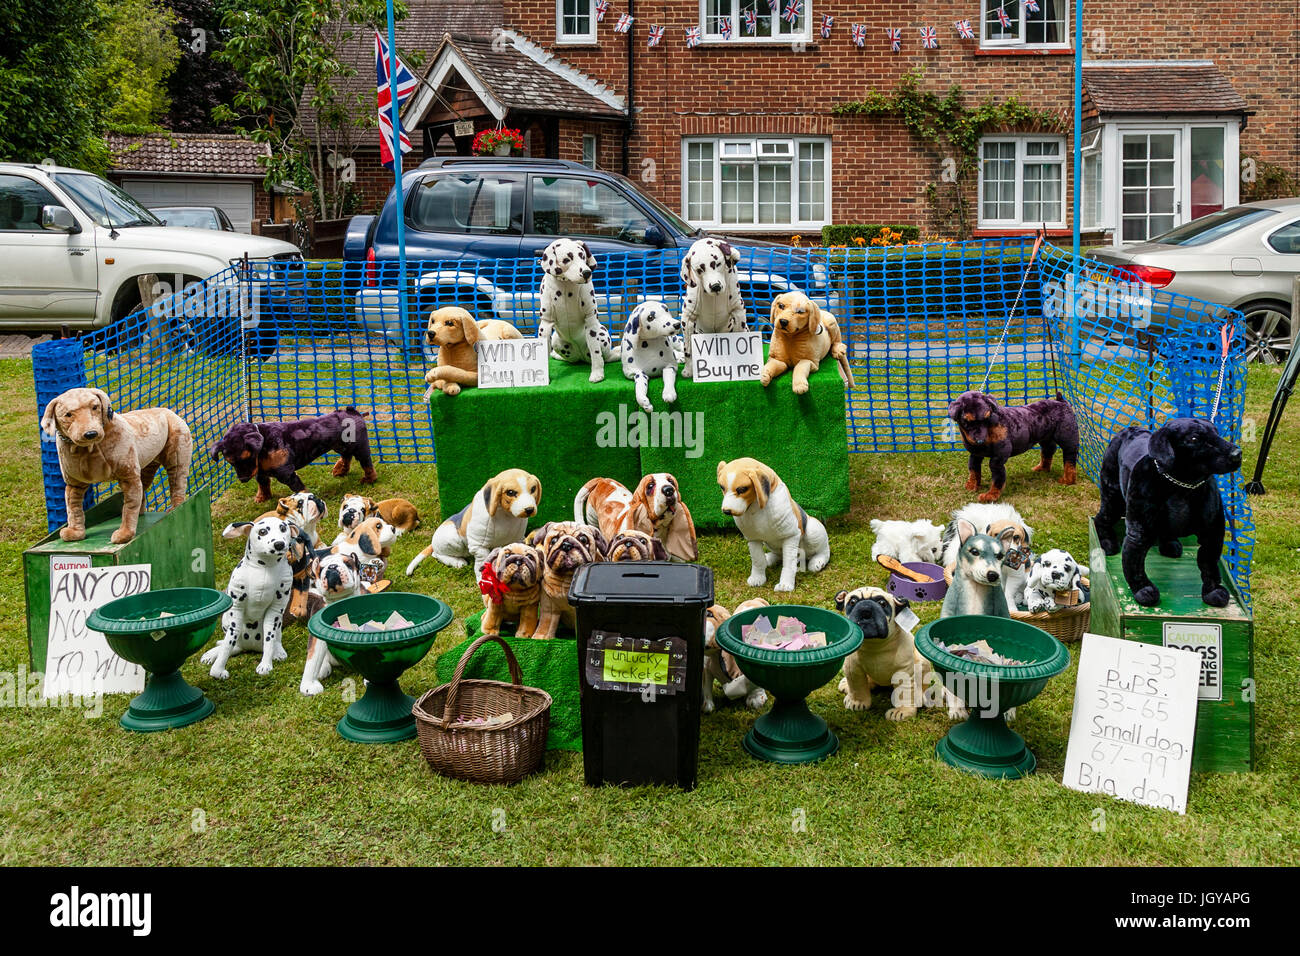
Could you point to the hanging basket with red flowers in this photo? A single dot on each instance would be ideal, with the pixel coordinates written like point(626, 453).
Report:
point(498, 142)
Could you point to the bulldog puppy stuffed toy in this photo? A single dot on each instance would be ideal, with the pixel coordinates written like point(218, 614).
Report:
point(569, 324)
point(455, 332)
point(656, 507)
point(566, 546)
point(259, 587)
point(97, 445)
point(335, 576)
point(721, 667)
point(989, 430)
point(776, 528)
point(712, 302)
point(496, 516)
point(802, 336)
point(651, 348)
point(512, 588)
point(636, 546)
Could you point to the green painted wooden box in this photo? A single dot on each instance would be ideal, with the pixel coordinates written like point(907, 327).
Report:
point(165, 540)
point(1225, 714)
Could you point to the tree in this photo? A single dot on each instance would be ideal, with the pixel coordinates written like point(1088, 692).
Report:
point(139, 53)
point(202, 81)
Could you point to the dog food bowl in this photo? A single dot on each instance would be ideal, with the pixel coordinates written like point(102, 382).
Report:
point(984, 744)
point(383, 714)
point(915, 590)
point(790, 732)
point(137, 632)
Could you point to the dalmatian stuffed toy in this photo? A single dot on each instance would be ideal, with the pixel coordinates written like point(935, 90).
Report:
point(1055, 572)
point(260, 587)
point(569, 324)
point(652, 348)
point(712, 302)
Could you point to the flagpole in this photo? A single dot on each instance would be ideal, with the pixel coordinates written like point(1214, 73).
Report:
point(1076, 204)
point(397, 176)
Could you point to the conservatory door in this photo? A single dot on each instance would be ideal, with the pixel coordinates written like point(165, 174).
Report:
point(1151, 201)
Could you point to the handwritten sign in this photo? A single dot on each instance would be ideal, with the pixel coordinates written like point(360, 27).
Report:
point(1134, 722)
point(617, 662)
point(77, 659)
point(1206, 640)
point(513, 363)
point(726, 356)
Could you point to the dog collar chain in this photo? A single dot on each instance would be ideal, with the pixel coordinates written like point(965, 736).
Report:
point(1181, 484)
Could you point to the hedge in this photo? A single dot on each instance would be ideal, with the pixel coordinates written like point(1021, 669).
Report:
point(845, 234)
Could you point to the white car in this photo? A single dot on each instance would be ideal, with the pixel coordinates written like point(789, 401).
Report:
point(73, 244)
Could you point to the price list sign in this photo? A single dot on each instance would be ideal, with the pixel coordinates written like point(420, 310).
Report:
point(1134, 721)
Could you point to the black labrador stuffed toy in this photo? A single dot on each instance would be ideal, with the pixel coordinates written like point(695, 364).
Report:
point(1162, 484)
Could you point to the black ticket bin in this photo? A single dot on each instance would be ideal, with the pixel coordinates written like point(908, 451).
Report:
point(640, 667)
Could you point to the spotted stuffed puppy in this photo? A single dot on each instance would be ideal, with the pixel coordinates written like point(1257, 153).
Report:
point(1053, 573)
point(652, 348)
point(511, 583)
point(259, 590)
point(712, 302)
point(336, 576)
point(569, 324)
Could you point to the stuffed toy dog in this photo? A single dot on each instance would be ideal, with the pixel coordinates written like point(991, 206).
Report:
point(1003, 522)
point(636, 546)
point(96, 445)
point(496, 516)
point(301, 550)
point(887, 656)
point(907, 541)
point(1162, 484)
point(977, 577)
point(775, 527)
point(398, 512)
point(259, 588)
point(334, 576)
point(512, 588)
point(656, 507)
point(651, 348)
point(371, 542)
point(566, 546)
point(569, 325)
point(1053, 573)
point(455, 332)
point(303, 510)
point(720, 666)
point(802, 336)
point(266, 450)
point(989, 430)
point(712, 302)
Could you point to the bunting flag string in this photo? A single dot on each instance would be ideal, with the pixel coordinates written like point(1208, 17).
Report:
point(929, 38)
point(751, 22)
point(859, 35)
point(602, 8)
point(656, 34)
point(895, 35)
point(724, 27)
point(964, 30)
point(624, 23)
point(828, 21)
point(793, 11)
point(692, 36)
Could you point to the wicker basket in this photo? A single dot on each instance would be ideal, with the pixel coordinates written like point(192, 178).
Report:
point(505, 753)
point(1066, 625)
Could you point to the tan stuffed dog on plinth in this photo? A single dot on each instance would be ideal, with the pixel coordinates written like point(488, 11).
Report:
point(802, 336)
point(511, 583)
point(96, 444)
point(455, 332)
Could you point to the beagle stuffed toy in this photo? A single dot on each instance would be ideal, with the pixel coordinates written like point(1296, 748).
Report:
point(802, 336)
point(651, 348)
point(335, 576)
point(656, 507)
point(569, 325)
point(303, 510)
point(97, 445)
point(259, 590)
point(566, 546)
point(777, 529)
point(720, 666)
point(512, 588)
point(496, 516)
point(455, 332)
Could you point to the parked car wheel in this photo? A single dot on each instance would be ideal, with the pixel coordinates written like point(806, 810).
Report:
point(1267, 331)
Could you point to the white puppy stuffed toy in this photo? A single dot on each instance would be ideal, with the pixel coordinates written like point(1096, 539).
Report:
point(569, 324)
point(1055, 572)
point(712, 302)
point(908, 541)
point(652, 348)
point(259, 587)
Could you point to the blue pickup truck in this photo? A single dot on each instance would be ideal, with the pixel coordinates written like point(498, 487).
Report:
point(476, 225)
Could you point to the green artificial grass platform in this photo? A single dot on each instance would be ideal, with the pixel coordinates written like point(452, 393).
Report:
point(571, 431)
point(551, 666)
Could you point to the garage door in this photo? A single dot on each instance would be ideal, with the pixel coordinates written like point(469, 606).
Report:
point(235, 198)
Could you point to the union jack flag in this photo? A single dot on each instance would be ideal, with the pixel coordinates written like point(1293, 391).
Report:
point(1003, 18)
point(751, 21)
point(1031, 6)
point(656, 34)
point(828, 21)
point(793, 11)
point(692, 36)
point(724, 27)
point(624, 23)
point(859, 34)
point(964, 30)
point(404, 83)
point(775, 6)
point(602, 7)
point(895, 35)
point(929, 38)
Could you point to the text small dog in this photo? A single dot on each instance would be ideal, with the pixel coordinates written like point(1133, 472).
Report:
point(720, 666)
point(496, 516)
point(569, 324)
point(1162, 484)
point(655, 507)
point(259, 588)
point(98, 445)
point(456, 332)
point(908, 541)
point(566, 546)
point(1003, 522)
point(712, 302)
point(802, 336)
point(1053, 573)
point(513, 589)
point(977, 578)
point(999, 433)
point(651, 348)
point(334, 576)
point(775, 527)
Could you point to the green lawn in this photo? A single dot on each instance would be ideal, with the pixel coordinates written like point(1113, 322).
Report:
point(267, 780)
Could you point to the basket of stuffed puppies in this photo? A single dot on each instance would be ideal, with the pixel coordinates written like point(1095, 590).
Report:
point(1056, 598)
point(484, 731)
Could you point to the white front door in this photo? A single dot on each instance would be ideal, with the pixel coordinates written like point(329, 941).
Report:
point(1150, 178)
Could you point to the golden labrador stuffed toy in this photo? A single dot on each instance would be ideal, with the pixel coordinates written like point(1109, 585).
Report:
point(456, 333)
point(96, 444)
point(802, 336)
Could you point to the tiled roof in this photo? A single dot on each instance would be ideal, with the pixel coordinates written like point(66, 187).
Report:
point(1154, 87)
point(199, 153)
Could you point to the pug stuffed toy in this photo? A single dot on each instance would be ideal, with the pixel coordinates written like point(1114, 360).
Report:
point(511, 582)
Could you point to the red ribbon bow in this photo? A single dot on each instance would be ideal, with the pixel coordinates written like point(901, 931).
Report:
point(491, 585)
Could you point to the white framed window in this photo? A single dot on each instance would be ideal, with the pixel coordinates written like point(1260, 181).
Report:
point(589, 150)
point(769, 23)
point(1022, 181)
point(1018, 26)
point(1092, 203)
point(757, 183)
point(575, 21)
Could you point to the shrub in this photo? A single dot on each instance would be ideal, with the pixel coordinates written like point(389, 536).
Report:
point(845, 234)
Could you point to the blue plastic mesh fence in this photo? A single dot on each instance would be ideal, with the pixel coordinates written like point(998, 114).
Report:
point(283, 340)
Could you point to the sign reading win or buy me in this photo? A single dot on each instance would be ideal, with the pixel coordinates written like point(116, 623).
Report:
point(513, 363)
point(726, 356)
